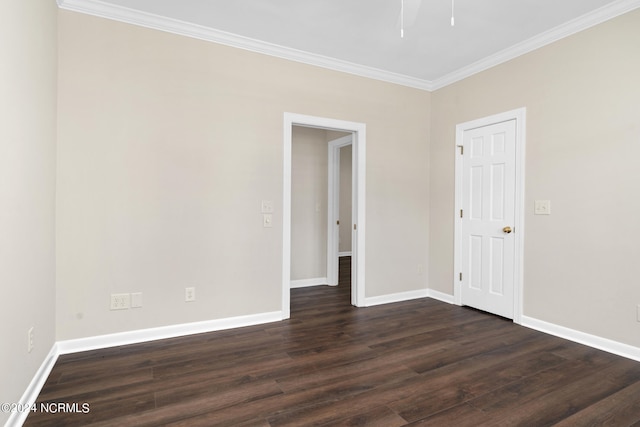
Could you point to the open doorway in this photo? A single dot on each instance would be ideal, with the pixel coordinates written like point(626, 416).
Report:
point(316, 187)
point(356, 224)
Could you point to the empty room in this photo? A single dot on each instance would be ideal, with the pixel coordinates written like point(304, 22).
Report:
point(264, 213)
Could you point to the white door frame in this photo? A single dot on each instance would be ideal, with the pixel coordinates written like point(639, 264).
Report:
point(519, 115)
point(333, 208)
point(359, 174)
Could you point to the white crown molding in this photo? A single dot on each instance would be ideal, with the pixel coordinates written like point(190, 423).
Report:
point(148, 20)
point(567, 29)
point(156, 22)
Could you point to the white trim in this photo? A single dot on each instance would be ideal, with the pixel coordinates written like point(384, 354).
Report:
point(157, 22)
point(333, 211)
point(399, 297)
point(440, 296)
point(163, 332)
point(567, 29)
point(347, 253)
point(304, 283)
point(286, 219)
point(94, 343)
point(30, 395)
point(519, 115)
point(333, 206)
point(34, 388)
point(175, 26)
point(359, 134)
point(358, 213)
point(518, 272)
point(594, 341)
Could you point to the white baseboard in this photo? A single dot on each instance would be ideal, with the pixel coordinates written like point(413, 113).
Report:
point(594, 341)
point(401, 296)
point(604, 344)
point(131, 337)
point(406, 296)
point(440, 296)
point(348, 253)
point(304, 283)
point(123, 338)
point(30, 395)
point(172, 331)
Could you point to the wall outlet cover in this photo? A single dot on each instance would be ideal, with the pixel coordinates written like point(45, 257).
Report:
point(120, 301)
point(30, 339)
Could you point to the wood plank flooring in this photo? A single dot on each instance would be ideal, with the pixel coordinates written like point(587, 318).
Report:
point(416, 363)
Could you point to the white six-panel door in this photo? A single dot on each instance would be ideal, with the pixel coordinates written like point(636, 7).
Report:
point(488, 218)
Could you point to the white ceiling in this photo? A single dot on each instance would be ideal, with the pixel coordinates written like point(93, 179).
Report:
point(363, 36)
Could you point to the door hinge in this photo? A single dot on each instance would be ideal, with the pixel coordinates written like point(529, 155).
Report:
point(355, 227)
point(461, 276)
point(338, 222)
point(461, 149)
point(461, 213)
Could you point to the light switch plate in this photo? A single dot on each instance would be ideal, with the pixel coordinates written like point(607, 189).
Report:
point(136, 300)
point(190, 294)
point(542, 207)
point(267, 206)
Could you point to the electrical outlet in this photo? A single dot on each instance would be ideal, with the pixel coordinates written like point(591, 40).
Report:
point(136, 300)
point(30, 339)
point(120, 301)
point(189, 294)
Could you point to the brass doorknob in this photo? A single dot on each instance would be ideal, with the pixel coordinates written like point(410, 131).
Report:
point(507, 229)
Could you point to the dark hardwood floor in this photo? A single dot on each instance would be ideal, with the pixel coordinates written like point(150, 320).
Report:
point(421, 362)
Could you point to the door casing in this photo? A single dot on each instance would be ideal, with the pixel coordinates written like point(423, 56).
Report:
point(359, 135)
point(519, 115)
point(333, 207)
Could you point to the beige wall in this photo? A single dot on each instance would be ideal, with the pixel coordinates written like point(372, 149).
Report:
point(168, 144)
point(345, 199)
point(309, 164)
point(27, 189)
point(309, 201)
point(583, 144)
